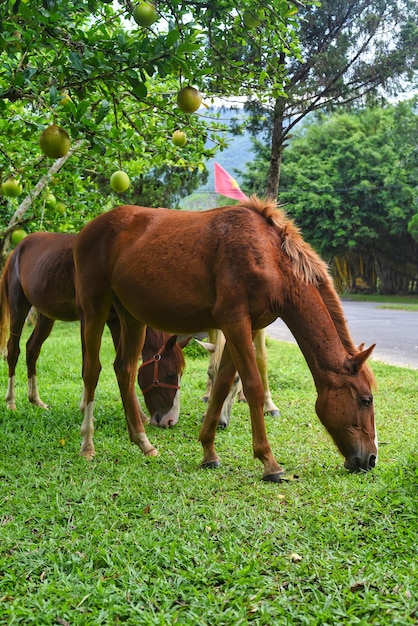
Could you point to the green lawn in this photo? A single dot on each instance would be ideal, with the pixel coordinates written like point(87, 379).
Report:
point(406, 303)
point(136, 541)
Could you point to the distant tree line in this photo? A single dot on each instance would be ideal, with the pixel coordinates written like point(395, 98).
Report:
point(350, 180)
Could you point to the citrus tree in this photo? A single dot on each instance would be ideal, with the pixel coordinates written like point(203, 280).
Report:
point(108, 73)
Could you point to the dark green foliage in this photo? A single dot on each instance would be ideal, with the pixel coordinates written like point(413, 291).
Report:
point(349, 180)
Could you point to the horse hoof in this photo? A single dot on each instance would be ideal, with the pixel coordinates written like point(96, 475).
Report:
point(273, 478)
point(153, 452)
point(89, 456)
point(274, 413)
point(211, 464)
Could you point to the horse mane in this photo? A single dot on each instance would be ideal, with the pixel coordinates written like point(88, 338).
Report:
point(307, 265)
point(310, 268)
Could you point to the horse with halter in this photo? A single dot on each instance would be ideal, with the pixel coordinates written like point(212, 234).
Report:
point(236, 268)
point(40, 273)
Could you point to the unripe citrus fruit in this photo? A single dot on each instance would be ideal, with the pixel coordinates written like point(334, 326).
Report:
point(11, 188)
point(145, 14)
point(64, 98)
point(119, 181)
point(179, 138)
point(60, 208)
point(16, 236)
point(189, 99)
point(55, 142)
point(253, 18)
point(50, 201)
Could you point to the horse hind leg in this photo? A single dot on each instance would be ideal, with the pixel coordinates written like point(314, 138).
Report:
point(242, 351)
point(132, 336)
point(19, 308)
point(221, 386)
point(41, 332)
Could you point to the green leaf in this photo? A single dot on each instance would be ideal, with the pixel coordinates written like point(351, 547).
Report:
point(102, 111)
point(172, 37)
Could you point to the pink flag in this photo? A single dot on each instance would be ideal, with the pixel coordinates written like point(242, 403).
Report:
point(226, 185)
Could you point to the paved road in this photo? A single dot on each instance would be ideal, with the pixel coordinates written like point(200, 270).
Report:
point(395, 332)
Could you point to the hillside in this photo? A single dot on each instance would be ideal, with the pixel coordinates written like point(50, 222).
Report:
point(233, 158)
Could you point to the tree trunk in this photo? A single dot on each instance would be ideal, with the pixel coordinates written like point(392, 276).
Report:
point(277, 138)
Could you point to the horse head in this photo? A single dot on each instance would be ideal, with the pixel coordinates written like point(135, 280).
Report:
point(345, 407)
point(159, 378)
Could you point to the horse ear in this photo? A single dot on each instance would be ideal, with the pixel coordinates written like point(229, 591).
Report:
point(171, 342)
point(354, 363)
point(210, 347)
point(183, 343)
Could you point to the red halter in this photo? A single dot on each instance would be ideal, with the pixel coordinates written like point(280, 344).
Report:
point(156, 382)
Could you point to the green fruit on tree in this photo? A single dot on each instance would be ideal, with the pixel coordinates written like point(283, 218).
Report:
point(179, 138)
point(145, 14)
point(55, 142)
point(64, 98)
point(60, 208)
point(50, 201)
point(119, 181)
point(16, 236)
point(11, 188)
point(189, 99)
point(253, 18)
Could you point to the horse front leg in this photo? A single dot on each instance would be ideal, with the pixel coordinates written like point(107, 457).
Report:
point(261, 356)
point(242, 351)
point(213, 336)
point(34, 344)
point(132, 337)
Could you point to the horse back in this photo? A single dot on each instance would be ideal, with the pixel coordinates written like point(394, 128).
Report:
point(176, 269)
point(44, 267)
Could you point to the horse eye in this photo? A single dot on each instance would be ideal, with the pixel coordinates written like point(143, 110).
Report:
point(366, 400)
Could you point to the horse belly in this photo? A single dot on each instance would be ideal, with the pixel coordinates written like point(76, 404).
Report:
point(164, 310)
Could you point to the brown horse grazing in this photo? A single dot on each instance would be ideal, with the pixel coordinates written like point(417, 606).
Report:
point(40, 272)
point(236, 268)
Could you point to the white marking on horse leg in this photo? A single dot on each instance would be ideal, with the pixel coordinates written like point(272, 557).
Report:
point(83, 400)
point(87, 431)
point(143, 444)
point(33, 393)
point(269, 406)
point(10, 396)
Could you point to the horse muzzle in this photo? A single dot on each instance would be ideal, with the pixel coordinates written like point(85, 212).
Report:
point(164, 421)
point(361, 464)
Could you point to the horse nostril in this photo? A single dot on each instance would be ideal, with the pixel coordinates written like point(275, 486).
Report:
point(156, 419)
point(372, 460)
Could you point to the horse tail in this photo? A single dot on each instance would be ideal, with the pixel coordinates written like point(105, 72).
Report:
point(4, 308)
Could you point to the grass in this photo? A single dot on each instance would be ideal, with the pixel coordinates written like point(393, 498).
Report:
point(130, 540)
point(406, 303)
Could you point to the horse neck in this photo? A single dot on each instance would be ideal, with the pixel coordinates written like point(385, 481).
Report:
point(315, 331)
